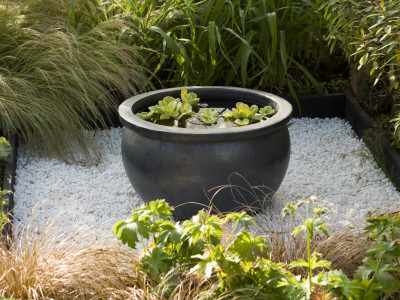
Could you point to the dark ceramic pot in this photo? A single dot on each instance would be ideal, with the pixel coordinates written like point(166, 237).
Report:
point(181, 165)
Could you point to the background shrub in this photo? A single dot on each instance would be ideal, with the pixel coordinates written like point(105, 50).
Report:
point(210, 42)
point(369, 32)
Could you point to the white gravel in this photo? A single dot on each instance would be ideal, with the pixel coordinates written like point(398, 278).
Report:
point(327, 160)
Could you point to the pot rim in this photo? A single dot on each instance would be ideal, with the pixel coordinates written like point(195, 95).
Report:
point(132, 105)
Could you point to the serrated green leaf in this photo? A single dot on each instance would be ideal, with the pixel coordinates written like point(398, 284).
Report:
point(203, 226)
point(205, 266)
point(161, 209)
point(248, 247)
point(299, 263)
point(236, 218)
point(167, 233)
point(156, 262)
point(127, 233)
point(299, 229)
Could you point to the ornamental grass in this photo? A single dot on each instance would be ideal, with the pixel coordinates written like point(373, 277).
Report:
point(55, 84)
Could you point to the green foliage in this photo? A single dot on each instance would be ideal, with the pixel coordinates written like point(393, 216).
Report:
point(5, 148)
point(172, 109)
point(244, 115)
point(379, 276)
point(368, 31)
point(190, 98)
point(268, 111)
point(310, 226)
point(197, 247)
point(396, 123)
point(208, 116)
point(3, 205)
point(380, 272)
point(238, 264)
point(175, 111)
point(212, 42)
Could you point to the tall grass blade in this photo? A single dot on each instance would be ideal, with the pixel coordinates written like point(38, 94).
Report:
point(212, 44)
point(274, 33)
point(315, 83)
point(282, 49)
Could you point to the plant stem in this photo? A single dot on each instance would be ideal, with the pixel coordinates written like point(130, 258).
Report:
point(141, 239)
point(309, 259)
point(309, 237)
point(232, 231)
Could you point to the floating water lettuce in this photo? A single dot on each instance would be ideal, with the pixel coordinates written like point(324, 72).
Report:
point(243, 114)
point(267, 111)
point(190, 98)
point(208, 116)
point(170, 109)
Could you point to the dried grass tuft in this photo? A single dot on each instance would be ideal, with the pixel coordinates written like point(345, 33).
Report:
point(55, 266)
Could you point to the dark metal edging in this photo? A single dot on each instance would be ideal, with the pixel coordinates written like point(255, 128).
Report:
point(387, 157)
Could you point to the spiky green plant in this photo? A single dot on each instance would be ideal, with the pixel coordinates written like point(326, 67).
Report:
point(212, 42)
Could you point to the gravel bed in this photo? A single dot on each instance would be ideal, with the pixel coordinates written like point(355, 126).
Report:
point(327, 160)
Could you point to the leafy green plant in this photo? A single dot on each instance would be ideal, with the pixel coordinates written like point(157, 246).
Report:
point(171, 109)
point(310, 226)
point(368, 31)
point(3, 205)
point(5, 150)
point(244, 115)
point(378, 277)
point(236, 263)
point(380, 273)
point(196, 246)
point(208, 116)
point(176, 109)
point(190, 98)
point(267, 111)
point(396, 121)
